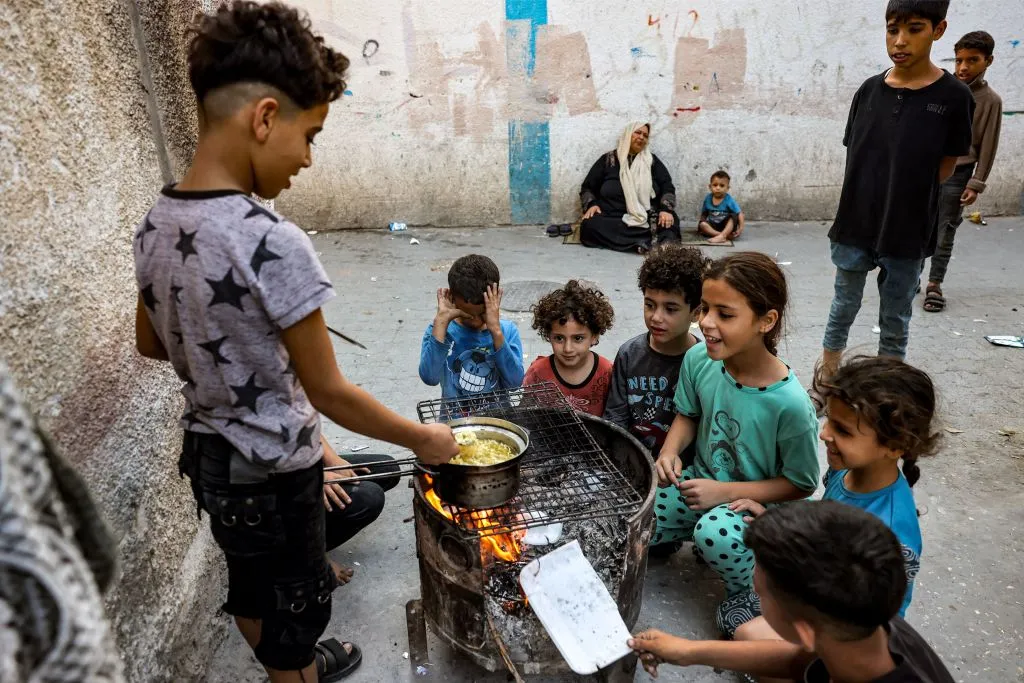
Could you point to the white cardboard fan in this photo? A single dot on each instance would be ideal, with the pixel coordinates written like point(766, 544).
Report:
point(576, 609)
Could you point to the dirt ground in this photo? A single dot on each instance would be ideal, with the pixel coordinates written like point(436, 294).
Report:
point(969, 599)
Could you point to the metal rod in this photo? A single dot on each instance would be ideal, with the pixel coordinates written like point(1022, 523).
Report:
point(357, 465)
point(350, 340)
point(370, 477)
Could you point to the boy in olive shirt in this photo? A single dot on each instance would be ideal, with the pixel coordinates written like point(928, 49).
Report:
point(973, 58)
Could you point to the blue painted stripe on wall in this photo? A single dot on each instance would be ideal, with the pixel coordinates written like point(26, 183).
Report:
point(529, 143)
point(529, 171)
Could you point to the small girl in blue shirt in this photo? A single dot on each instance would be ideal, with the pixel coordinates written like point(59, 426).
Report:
point(879, 412)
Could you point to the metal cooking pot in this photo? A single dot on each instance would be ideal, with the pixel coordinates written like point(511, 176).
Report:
point(481, 487)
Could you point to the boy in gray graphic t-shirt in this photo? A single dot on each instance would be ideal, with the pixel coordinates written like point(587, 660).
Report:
point(230, 294)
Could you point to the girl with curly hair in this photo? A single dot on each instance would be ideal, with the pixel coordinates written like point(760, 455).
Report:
point(878, 414)
point(573, 319)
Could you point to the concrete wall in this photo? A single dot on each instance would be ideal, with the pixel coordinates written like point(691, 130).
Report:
point(82, 156)
point(460, 114)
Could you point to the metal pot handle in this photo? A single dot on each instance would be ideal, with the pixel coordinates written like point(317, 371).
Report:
point(425, 469)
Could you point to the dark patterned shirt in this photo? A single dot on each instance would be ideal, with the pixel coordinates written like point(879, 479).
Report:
point(221, 277)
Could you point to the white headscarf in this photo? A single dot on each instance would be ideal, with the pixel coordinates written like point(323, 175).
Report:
point(637, 183)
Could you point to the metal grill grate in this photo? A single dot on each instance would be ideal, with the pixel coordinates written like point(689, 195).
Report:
point(564, 476)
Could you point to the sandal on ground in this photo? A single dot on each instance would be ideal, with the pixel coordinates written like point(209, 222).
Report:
point(564, 230)
point(553, 230)
point(934, 301)
point(333, 663)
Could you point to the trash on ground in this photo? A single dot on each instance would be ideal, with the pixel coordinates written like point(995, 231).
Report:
point(356, 449)
point(414, 241)
point(959, 334)
point(397, 227)
point(980, 320)
point(976, 218)
point(373, 279)
point(405, 655)
point(312, 232)
point(1006, 432)
point(421, 670)
point(954, 430)
point(1005, 340)
point(876, 329)
point(785, 263)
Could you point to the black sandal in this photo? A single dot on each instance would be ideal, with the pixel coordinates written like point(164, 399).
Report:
point(933, 300)
point(552, 230)
point(333, 663)
point(564, 230)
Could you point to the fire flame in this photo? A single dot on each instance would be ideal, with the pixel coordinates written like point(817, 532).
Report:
point(504, 545)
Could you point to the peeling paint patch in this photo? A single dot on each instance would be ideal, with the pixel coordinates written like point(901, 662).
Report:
point(722, 67)
point(563, 70)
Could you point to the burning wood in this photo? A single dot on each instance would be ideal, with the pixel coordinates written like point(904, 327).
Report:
point(495, 543)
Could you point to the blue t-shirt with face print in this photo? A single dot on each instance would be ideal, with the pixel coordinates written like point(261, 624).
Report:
point(466, 364)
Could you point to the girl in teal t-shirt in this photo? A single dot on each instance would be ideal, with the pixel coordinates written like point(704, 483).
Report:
point(755, 427)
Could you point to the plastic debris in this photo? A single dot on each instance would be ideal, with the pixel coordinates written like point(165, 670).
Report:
point(876, 329)
point(312, 232)
point(397, 227)
point(373, 279)
point(405, 655)
point(421, 670)
point(785, 263)
point(980, 320)
point(954, 430)
point(976, 218)
point(1006, 432)
point(414, 241)
point(357, 564)
point(356, 449)
point(1005, 340)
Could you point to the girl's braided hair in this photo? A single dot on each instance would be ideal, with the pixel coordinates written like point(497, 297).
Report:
point(894, 398)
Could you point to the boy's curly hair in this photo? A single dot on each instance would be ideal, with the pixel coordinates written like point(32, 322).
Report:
point(272, 44)
point(588, 306)
point(892, 397)
point(674, 268)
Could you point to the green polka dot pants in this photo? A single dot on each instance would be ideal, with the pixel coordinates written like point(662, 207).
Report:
point(717, 534)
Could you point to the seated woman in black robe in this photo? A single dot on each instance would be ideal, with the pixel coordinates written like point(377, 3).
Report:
point(628, 197)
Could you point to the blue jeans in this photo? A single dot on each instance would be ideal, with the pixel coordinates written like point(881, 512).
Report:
point(897, 284)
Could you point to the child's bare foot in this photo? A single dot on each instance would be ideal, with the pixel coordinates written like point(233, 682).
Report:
point(342, 573)
point(718, 239)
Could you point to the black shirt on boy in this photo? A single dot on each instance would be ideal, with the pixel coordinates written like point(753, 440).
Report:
point(915, 660)
point(896, 139)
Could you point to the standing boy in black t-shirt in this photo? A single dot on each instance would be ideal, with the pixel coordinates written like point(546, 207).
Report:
point(906, 128)
point(831, 579)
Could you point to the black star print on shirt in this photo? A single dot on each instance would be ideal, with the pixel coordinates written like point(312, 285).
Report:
point(262, 255)
point(304, 438)
point(148, 298)
point(184, 245)
point(266, 461)
point(285, 434)
point(176, 292)
point(213, 347)
point(227, 291)
point(248, 394)
point(147, 228)
point(258, 210)
point(179, 337)
point(234, 421)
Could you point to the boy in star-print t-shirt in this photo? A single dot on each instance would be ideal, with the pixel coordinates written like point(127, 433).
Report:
point(230, 294)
